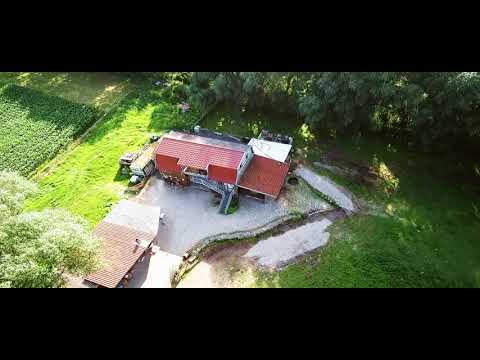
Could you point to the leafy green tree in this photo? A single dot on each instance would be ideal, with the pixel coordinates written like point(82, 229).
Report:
point(232, 87)
point(345, 101)
point(427, 108)
point(450, 107)
point(14, 190)
point(252, 90)
point(430, 108)
point(38, 249)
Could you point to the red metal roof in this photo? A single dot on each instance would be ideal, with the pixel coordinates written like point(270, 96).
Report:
point(199, 155)
point(264, 175)
point(119, 252)
point(222, 174)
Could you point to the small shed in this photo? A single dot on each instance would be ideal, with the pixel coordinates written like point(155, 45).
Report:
point(122, 248)
point(126, 233)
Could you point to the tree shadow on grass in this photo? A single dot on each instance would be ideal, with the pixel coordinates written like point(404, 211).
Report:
point(121, 177)
point(134, 102)
point(51, 109)
point(250, 123)
point(96, 89)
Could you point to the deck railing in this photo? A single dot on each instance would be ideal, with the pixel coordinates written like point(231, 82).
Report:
point(211, 184)
point(225, 190)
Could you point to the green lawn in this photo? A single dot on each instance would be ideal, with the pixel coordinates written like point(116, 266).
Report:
point(87, 181)
point(423, 230)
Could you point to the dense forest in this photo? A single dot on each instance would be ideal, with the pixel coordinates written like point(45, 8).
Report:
point(427, 110)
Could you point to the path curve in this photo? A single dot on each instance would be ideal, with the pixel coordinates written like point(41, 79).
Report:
point(341, 196)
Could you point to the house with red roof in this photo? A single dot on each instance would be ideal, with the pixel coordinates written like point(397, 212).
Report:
point(224, 166)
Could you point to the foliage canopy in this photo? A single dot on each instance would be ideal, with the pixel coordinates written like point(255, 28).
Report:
point(426, 108)
point(37, 249)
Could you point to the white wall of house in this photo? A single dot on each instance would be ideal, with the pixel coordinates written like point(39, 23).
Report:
point(247, 156)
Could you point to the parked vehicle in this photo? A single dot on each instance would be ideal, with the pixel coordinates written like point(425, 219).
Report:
point(139, 165)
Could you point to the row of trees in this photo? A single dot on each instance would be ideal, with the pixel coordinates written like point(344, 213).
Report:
point(425, 107)
point(38, 249)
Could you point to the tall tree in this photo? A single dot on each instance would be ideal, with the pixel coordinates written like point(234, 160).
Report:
point(38, 249)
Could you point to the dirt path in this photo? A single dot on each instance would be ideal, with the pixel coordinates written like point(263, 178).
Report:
point(342, 197)
point(224, 266)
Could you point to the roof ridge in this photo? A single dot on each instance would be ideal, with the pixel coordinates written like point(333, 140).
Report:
point(204, 144)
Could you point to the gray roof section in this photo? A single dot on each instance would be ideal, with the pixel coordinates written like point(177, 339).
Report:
point(135, 216)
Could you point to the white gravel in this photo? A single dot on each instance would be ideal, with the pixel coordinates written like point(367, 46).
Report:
point(191, 216)
point(327, 187)
point(276, 251)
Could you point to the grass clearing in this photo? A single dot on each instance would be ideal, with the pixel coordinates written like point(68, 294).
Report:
point(88, 182)
point(425, 234)
point(423, 231)
point(35, 126)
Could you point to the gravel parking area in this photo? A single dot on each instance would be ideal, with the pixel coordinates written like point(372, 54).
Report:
point(192, 215)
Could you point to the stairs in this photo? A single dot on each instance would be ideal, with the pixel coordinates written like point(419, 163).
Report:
point(212, 185)
point(220, 188)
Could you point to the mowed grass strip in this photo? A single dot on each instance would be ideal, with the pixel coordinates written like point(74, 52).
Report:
point(87, 182)
point(34, 126)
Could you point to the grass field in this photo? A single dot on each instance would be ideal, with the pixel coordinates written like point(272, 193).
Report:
point(424, 229)
point(41, 113)
point(34, 126)
point(99, 90)
point(87, 181)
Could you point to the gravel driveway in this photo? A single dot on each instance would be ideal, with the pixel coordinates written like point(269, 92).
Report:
point(277, 251)
point(341, 196)
point(192, 216)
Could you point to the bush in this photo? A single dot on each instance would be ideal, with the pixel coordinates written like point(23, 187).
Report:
point(234, 205)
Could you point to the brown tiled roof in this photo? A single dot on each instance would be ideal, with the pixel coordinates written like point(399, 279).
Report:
point(120, 252)
point(264, 175)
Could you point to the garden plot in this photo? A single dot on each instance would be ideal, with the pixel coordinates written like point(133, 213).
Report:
point(35, 127)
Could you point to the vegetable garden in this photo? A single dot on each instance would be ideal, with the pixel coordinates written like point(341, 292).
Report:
point(34, 126)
